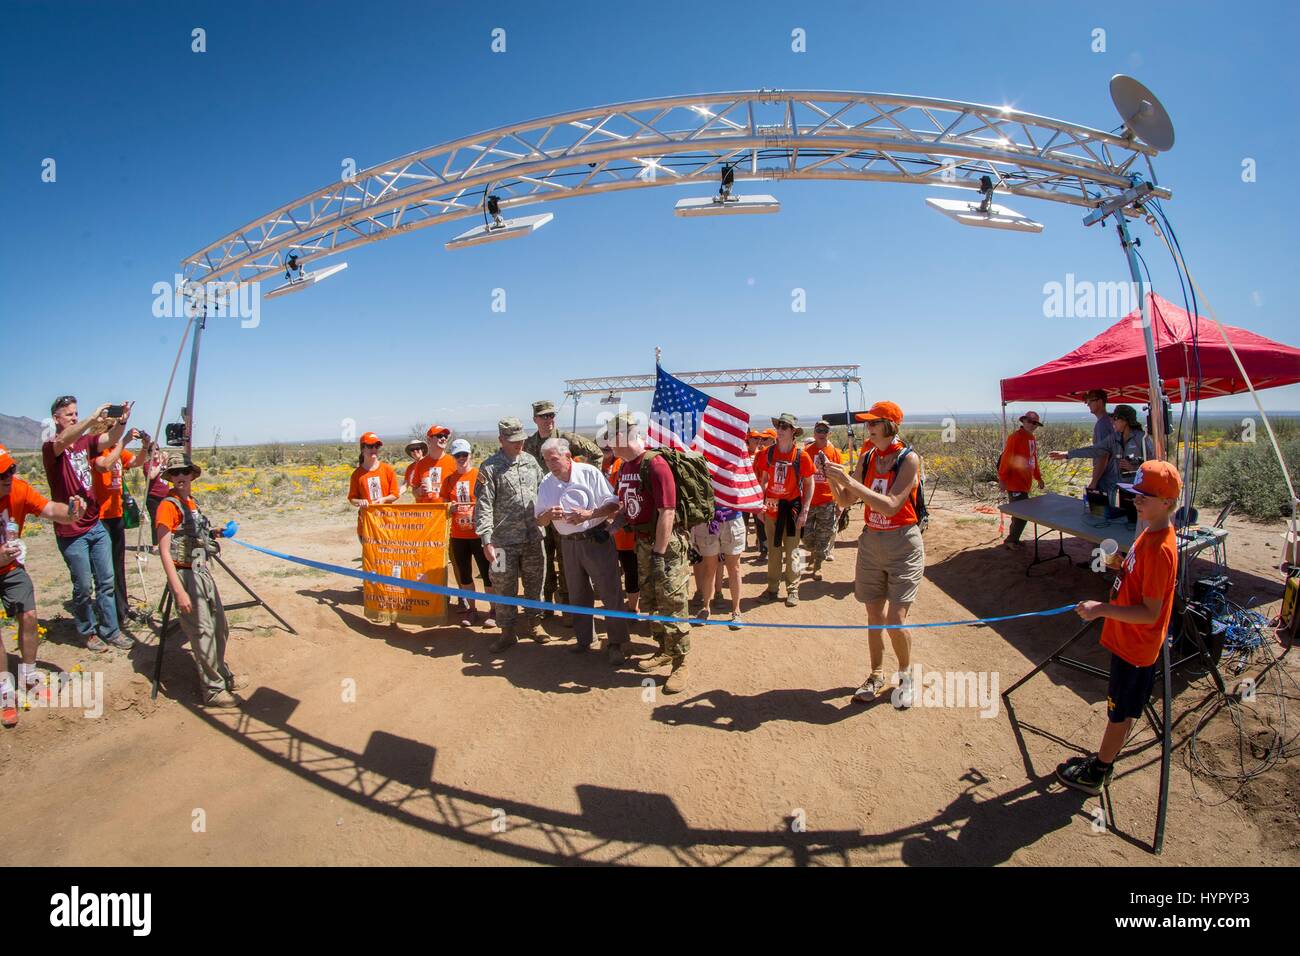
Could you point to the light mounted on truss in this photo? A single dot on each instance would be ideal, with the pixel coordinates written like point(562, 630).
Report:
point(298, 278)
point(746, 392)
point(498, 227)
point(985, 213)
point(613, 398)
point(819, 388)
point(724, 203)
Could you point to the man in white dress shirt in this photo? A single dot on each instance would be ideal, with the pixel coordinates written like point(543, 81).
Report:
point(577, 499)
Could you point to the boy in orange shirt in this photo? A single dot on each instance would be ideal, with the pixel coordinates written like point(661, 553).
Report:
point(785, 471)
point(1137, 619)
point(1018, 468)
point(427, 475)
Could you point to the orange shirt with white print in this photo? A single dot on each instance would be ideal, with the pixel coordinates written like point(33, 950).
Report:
point(1018, 466)
point(427, 475)
point(782, 474)
point(22, 500)
point(372, 485)
point(624, 538)
point(458, 489)
point(1150, 570)
point(108, 485)
point(881, 481)
point(821, 486)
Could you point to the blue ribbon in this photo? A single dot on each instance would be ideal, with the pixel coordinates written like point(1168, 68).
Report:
point(606, 612)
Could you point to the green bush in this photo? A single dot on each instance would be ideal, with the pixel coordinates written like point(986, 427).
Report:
point(1249, 475)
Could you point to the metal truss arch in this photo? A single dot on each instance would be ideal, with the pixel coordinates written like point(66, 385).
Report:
point(682, 140)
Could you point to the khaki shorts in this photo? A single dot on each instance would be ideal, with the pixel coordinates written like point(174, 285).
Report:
point(730, 538)
point(890, 565)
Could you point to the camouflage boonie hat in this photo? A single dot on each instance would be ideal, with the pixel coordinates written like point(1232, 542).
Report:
point(176, 461)
point(544, 407)
point(511, 429)
point(786, 418)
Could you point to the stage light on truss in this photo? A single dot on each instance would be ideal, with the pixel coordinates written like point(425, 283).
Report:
point(746, 392)
point(819, 388)
point(303, 279)
point(613, 398)
point(508, 229)
point(724, 203)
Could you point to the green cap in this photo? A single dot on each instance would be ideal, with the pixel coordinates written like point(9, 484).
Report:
point(544, 407)
point(511, 429)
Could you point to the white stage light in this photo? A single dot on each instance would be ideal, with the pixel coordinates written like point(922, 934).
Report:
point(509, 229)
point(613, 398)
point(996, 217)
point(745, 392)
point(735, 205)
point(305, 279)
point(818, 388)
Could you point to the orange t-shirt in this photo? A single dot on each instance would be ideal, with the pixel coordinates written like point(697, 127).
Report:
point(169, 516)
point(372, 485)
point(459, 490)
point(427, 475)
point(821, 486)
point(880, 482)
point(625, 538)
point(1018, 467)
point(108, 486)
point(1150, 570)
point(22, 500)
point(406, 475)
point(780, 474)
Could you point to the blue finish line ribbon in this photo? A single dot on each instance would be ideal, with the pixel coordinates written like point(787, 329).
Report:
point(606, 612)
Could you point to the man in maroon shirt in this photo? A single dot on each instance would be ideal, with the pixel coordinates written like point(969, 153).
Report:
point(650, 510)
point(84, 543)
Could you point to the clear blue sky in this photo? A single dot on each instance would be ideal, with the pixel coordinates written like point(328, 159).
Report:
point(161, 151)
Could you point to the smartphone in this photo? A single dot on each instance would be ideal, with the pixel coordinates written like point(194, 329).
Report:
point(116, 411)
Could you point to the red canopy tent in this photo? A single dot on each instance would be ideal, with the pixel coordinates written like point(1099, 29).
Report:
point(1116, 361)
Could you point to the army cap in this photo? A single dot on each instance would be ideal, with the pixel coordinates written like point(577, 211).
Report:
point(544, 407)
point(622, 425)
point(511, 429)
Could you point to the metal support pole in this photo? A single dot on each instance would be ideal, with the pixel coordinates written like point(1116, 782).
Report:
point(1153, 374)
point(194, 371)
point(848, 417)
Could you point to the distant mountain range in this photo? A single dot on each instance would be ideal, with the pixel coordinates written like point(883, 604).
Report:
point(21, 434)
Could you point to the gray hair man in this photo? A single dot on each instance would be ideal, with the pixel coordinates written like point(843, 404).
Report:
point(577, 502)
point(505, 496)
point(544, 413)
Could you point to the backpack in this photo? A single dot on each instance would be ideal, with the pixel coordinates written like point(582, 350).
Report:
point(694, 484)
point(918, 493)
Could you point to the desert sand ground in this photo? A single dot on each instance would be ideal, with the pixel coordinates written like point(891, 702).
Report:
point(451, 756)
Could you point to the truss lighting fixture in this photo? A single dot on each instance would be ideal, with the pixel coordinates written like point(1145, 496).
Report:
point(724, 203)
point(299, 278)
point(613, 398)
point(745, 392)
point(985, 213)
point(508, 229)
point(819, 388)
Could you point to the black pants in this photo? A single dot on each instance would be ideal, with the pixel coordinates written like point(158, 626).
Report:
point(760, 529)
point(463, 551)
point(117, 535)
point(152, 503)
point(1017, 524)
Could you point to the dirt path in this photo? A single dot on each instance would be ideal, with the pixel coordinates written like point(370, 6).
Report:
point(450, 756)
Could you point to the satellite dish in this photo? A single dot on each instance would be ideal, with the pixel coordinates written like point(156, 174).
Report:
point(1142, 113)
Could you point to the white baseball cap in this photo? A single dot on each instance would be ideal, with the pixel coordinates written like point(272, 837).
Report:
point(460, 446)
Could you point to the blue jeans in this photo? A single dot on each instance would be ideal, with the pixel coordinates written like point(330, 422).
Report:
point(90, 557)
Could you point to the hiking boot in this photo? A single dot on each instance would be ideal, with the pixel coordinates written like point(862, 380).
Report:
point(816, 570)
point(221, 700)
point(616, 654)
point(701, 616)
point(676, 682)
point(736, 623)
point(532, 627)
point(566, 620)
point(121, 641)
point(870, 689)
point(507, 639)
point(93, 643)
point(647, 664)
point(771, 595)
point(1081, 773)
point(580, 649)
point(792, 597)
point(697, 603)
point(236, 681)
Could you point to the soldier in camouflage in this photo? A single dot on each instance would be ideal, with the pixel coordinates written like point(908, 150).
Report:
point(505, 494)
point(554, 586)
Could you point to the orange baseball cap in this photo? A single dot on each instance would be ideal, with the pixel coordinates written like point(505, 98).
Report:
point(1156, 479)
point(370, 438)
point(886, 411)
point(768, 433)
point(6, 459)
point(438, 430)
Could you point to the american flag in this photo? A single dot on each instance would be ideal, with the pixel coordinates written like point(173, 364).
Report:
point(685, 418)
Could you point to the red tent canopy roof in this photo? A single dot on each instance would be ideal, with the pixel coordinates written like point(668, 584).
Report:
point(1116, 361)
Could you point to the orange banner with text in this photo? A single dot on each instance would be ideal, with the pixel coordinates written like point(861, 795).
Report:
point(410, 542)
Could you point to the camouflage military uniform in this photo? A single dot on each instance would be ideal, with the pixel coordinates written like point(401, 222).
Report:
point(819, 531)
point(667, 598)
point(505, 494)
point(554, 586)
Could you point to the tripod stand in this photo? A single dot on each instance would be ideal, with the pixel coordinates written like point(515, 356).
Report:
point(1160, 723)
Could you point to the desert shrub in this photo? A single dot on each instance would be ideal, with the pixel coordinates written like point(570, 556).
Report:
point(1249, 475)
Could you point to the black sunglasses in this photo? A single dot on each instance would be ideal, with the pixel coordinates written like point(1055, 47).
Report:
point(547, 415)
point(372, 446)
